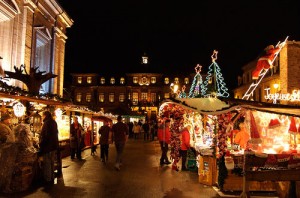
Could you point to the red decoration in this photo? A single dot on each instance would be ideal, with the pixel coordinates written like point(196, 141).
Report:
point(293, 128)
point(274, 123)
point(255, 137)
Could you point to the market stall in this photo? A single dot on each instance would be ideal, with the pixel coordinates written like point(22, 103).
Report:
point(273, 138)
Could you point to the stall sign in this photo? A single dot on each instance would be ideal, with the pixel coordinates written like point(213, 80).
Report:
point(294, 96)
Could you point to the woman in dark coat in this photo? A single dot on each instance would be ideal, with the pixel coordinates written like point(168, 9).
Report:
point(48, 146)
point(76, 139)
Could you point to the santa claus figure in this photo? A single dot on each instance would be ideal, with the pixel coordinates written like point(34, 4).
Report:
point(265, 61)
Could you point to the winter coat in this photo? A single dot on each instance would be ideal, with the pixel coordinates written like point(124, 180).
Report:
point(185, 140)
point(164, 134)
point(104, 134)
point(76, 136)
point(6, 134)
point(49, 136)
point(120, 132)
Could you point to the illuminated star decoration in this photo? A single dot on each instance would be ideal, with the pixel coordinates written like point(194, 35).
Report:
point(197, 83)
point(182, 94)
point(214, 84)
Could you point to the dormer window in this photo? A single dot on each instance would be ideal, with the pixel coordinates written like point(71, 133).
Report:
point(135, 80)
point(79, 80)
point(122, 80)
point(112, 80)
point(167, 81)
point(153, 80)
point(89, 80)
point(102, 80)
point(176, 80)
point(186, 81)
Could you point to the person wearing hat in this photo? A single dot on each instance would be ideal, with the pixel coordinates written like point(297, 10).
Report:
point(265, 61)
point(6, 134)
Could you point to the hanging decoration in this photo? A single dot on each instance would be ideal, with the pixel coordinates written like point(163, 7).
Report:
point(19, 109)
point(214, 84)
point(197, 84)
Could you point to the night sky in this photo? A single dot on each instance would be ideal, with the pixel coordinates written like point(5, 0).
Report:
point(111, 36)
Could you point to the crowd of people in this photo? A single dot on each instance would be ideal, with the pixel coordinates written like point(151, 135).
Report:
point(47, 148)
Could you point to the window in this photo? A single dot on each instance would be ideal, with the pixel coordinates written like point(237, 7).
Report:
point(89, 80)
point(186, 81)
point(167, 81)
point(111, 97)
point(135, 80)
point(42, 54)
point(102, 80)
point(88, 97)
point(78, 97)
point(153, 97)
point(101, 97)
point(144, 96)
point(122, 97)
point(167, 95)
point(135, 98)
point(153, 80)
point(79, 80)
point(176, 80)
point(112, 80)
point(122, 80)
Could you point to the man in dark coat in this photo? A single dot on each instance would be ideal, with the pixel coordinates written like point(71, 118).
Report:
point(76, 139)
point(48, 146)
point(120, 136)
point(104, 133)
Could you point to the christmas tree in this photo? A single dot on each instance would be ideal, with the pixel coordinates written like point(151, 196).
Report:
point(197, 83)
point(214, 84)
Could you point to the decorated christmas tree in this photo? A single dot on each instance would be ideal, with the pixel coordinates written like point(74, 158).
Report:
point(214, 84)
point(197, 84)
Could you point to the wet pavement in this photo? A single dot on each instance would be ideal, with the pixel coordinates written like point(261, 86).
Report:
point(140, 177)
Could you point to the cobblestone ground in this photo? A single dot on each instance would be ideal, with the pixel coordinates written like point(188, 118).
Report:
point(140, 177)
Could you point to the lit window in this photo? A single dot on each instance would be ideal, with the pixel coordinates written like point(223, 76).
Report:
point(167, 95)
point(153, 97)
point(135, 98)
point(135, 80)
point(176, 80)
point(112, 80)
point(101, 97)
point(122, 97)
point(88, 97)
point(186, 81)
point(122, 80)
point(78, 97)
point(153, 80)
point(111, 97)
point(167, 81)
point(144, 96)
point(102, 80)
point(89, 80)
point(79, 80)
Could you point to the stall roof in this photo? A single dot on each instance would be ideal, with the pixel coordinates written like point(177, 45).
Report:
point(215, 106)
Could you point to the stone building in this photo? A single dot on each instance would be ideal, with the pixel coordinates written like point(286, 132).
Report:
point(33, 34)
point(132, 94)
point(281, 83)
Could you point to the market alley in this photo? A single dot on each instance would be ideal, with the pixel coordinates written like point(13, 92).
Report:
point(140, 176)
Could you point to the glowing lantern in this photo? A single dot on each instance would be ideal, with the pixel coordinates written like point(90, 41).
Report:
point(19, 109)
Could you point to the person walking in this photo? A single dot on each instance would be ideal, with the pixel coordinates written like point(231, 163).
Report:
point(146, 129)
point(136, 130)
point(105, 135)
point(164, 135)
point(119, 137)
point(76, 139)
point(184, 146)
point(48, 146)
point(6, 134)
